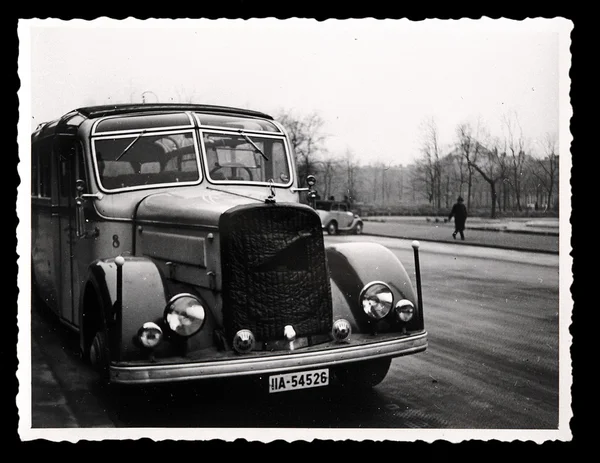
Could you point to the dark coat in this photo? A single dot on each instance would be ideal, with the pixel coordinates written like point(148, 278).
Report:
point(459, 212)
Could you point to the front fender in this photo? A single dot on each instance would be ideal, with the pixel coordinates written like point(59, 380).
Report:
point(352, 266)
point(355, 222)
point(144, 297)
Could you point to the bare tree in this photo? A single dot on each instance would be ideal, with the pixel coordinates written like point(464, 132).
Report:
point(423, 179)
point(351, 167)
point(307, 139)
point(329, 170)
point(384, 186)
point(184, 95)
point(467, 145)
point(515, 144)
point(548, 168)
point(491, 164)
point(430, 162)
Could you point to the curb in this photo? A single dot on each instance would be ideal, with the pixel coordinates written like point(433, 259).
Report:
point(491, 229)
point(508, 230)
point(466, 243)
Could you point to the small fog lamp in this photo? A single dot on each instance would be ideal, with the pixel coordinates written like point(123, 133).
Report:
point(341, 330)
point(376, 299)
point(185, 315)
point(150, 335)
point(405, 310)
point(243, 341)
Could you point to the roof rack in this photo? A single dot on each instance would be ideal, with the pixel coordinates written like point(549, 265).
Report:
point(108, 110)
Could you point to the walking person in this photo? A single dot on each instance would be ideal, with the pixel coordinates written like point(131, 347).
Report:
point(459, 212)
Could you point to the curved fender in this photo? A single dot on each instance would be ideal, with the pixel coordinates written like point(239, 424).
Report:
point(352, 266)
point(144, 298)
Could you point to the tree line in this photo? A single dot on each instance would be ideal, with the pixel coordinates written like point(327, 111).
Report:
point(494, 174)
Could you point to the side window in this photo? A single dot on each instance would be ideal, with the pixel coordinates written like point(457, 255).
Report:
point(44, 166)
point(70, 161)
point(334, 207)
point(64, 175)
point(343, 208)
point(34, 170)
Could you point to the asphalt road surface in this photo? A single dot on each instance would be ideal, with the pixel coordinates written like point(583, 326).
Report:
point(492, 363)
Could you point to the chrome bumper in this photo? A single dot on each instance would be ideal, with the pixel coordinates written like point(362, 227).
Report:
point(244, 366)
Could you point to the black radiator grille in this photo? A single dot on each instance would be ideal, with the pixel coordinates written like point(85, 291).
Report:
point(274, 271)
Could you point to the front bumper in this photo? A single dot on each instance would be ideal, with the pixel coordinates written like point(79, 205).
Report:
point(133, 373)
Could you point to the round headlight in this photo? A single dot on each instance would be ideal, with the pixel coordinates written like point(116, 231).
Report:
point(243, 341)
point(184, 314)
point(341, 330)
point(150, 335)
point(405, 310)
point(376, 299)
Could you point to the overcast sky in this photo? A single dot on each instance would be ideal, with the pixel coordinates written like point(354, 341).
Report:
point(373, 82)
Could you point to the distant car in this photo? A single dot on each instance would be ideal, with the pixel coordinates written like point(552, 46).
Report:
point(336, 217)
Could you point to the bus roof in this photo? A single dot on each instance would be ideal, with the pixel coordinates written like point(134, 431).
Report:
point(73, 119)
point(110, 110)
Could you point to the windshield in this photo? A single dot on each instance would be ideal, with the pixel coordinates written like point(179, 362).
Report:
point(246, 158)
point(140, 160)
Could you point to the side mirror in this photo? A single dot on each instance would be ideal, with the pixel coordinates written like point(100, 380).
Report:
point(79, 209)
point(79, 212)
point(312, 194)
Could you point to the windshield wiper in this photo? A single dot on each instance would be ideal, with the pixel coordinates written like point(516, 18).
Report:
point(130, 145)
point(247, 138)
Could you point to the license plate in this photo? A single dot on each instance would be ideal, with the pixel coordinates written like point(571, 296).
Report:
point(300, 380)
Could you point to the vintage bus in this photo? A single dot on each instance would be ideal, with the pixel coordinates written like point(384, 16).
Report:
point(173, 239)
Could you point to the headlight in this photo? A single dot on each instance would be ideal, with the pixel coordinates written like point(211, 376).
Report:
point(184, 314)
point(341, 330)
point(405, 310)
point(376, 299)
point(150, 335)
point(243, 341)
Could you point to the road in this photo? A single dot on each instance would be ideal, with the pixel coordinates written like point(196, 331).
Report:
point(492, 362)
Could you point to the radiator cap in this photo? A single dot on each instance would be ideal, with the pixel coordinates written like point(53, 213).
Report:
point(289, 333)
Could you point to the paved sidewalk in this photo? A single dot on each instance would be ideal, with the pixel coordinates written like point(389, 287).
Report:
point(536, 235)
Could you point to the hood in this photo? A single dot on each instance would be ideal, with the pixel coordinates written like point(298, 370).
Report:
point(193, 207)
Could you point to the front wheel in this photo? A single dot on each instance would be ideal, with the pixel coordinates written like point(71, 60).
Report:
point(358, 229)
point(98, 354)
point(363, 375)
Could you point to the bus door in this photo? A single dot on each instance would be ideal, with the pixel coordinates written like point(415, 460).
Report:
point(44, 223)
point(69, 157)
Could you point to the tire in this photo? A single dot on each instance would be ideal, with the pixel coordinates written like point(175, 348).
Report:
point(98, 354)
point(332, 228)
point(363, 375)
point(358, 229)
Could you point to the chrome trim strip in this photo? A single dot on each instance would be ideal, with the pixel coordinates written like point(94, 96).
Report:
point(194, 226)
point(105, 218)
point(133, 114)
point(220, 127)
point(148, 130)
point(266, 365)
